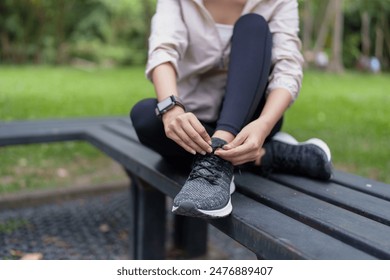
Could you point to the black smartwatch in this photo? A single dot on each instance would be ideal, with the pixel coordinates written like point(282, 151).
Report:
point(167, 104)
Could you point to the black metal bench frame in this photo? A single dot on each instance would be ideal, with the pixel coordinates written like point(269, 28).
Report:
point(280, 217)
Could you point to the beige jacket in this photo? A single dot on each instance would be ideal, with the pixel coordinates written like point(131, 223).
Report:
point(184, 33)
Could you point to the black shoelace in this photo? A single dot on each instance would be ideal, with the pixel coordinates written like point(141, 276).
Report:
point(205, 168)
point(209, 167)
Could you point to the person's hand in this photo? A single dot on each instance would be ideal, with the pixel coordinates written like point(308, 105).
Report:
point(187, 131)
point(246, 146)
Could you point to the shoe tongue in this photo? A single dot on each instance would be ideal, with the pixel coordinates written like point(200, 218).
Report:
point(217, 143)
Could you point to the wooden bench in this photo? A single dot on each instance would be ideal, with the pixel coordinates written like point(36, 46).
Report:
point(280, 217)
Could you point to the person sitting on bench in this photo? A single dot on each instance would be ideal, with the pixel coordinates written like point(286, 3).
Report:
point(224, 73)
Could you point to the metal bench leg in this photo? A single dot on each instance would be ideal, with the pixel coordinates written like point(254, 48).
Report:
point(147, 239)
point(190, 236)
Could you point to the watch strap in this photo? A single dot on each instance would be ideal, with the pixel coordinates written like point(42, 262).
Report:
point(175, 100)
point(178, 101)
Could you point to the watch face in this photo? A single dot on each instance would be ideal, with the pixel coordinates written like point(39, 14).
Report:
point(165, 104)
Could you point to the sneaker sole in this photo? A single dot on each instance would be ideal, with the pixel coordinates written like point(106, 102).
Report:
point(189, 209)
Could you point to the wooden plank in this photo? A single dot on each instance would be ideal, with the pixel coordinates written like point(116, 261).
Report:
point(123, 129)
point(29, 132)
point(358, 231)
point(50, 123)
point(36, 134)
point(126, 122)
point(365, 185)
point(347, 198)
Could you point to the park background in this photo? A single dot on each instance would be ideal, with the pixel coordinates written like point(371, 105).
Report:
point(85, 58)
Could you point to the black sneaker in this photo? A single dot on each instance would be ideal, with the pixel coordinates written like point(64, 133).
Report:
point(206, 193)
point(286, 155)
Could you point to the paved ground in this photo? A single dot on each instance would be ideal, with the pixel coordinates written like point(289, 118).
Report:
point(90, 228)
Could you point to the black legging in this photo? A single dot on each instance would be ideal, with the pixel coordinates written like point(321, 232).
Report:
point(249, 68)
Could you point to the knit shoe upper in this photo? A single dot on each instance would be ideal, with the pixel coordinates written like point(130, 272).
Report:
point(206, 193)
point(311, 158)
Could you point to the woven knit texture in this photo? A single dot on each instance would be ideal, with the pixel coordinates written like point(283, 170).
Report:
point(297, 159)
point(208, 185)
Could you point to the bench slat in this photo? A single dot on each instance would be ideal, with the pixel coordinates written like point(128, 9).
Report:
point(365, 185)
point(123, 129)
point(347, 226)
point(353, 200)
point(50, 123)
point(29, 132)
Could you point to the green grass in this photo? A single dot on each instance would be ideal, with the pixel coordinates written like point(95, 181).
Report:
point(46, 92)
point(24, 168)
point(31, 92)
point(350, 112)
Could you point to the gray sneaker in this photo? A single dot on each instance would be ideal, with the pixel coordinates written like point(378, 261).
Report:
point(285, 154)
point(206, 193)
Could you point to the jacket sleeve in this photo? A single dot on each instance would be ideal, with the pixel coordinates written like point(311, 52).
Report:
point(287, 59)
point(168, 36)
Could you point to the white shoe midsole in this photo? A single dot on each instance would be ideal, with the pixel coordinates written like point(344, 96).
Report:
point(219, 212)
point(232, 186)
point(285, 138)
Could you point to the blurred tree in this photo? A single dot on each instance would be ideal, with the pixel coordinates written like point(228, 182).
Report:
point(56, 31)
point(324, 26)
point(373, 15)
point(308, 21)
point(336, 61)
point(365, 26)
point(116, 32)
point(148, 11)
